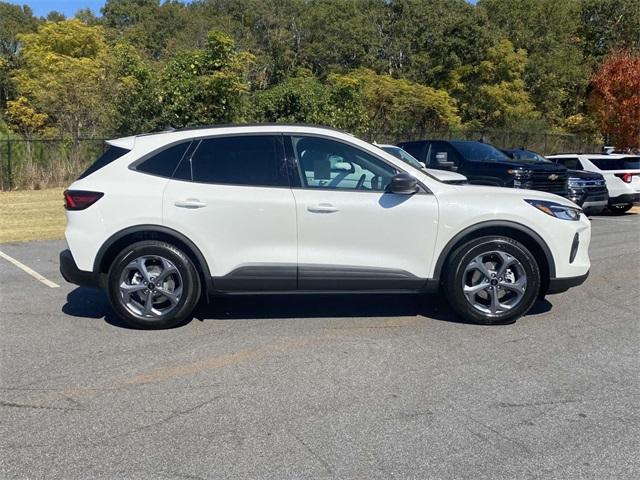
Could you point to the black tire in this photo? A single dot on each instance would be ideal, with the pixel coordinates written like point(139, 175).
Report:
point(456, 274)
point(184, 274)
point(620, 209)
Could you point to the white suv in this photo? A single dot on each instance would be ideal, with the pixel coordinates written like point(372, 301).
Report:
point(621, 172)
point(161, 220)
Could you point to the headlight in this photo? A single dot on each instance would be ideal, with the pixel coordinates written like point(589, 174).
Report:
point(556, 210)
point(520, 173)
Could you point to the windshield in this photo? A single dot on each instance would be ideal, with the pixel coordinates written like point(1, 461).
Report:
point(480, 152)
point(527, 156)
point(626, 163)
point(403, 155)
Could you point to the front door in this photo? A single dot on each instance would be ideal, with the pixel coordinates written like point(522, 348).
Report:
point(352, 234)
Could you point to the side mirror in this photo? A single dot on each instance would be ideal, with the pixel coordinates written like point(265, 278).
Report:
point(403, 184)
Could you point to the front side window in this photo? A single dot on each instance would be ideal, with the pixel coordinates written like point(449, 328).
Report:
point(252, 160)
point(328, 163)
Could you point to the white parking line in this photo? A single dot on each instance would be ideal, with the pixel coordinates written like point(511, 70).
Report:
point(28, 270)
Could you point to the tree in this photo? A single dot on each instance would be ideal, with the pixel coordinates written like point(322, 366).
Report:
point(608, 25)
point(492, 93)
point(615, 98)
point(63, 75)
point(135, 91)
point(397, 106)
point(305, 99)
point(14, 20)
point(555, 75)
point(204, 86)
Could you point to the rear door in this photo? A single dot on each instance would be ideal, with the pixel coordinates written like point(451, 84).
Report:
point(231, 197)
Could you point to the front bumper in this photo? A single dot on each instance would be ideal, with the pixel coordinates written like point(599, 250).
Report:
point(625, 199)
point(587, 199)
point(73, 274)
point(559, 285)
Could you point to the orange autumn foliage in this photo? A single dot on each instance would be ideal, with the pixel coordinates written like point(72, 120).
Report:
point(615, 98)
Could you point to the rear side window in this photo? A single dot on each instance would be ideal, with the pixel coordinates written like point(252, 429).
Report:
point(415, 149)
point(570, 163)
point(628, 163)
point(253, 160)
point(165, 162)
point(110, 154)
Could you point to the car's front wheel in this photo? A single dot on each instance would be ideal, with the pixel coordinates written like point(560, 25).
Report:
point(152, 285)
point(492, 280)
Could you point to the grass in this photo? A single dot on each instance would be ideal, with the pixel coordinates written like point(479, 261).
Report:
point(31, 215)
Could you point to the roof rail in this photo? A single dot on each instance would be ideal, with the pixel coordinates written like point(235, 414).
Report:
point(230, 125)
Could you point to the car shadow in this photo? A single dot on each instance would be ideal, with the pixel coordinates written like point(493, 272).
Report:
point(92, 303)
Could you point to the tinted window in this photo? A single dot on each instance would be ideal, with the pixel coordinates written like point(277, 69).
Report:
point(165, 162)
point(480, 152)
point(570, 163)
point(404, 156)
point(443, 156)
point(243, 160)
point(416, 149)
point(110, 154)
point(627, 163)
point(331, 164)
point(527, 156)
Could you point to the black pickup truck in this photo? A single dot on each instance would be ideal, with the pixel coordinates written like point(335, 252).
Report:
point(483, 164)
point(587, 189)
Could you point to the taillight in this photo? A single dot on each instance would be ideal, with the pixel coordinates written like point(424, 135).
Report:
point(80, 199)
point(626, 177)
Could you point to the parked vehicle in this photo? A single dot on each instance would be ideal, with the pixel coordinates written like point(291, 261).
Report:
point(586, 189)
point(442, 175)
point(483, 164)
point(163, 219)
point(621, 173)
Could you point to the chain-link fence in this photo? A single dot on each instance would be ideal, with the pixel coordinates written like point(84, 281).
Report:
point(35, 164)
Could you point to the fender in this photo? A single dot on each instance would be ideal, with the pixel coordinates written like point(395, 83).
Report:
point(202, 263)
point(494, 224)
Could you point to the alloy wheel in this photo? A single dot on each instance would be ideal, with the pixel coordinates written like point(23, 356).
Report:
point(494, 282)
point(150, 286)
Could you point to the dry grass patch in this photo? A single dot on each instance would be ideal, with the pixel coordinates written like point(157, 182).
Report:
point(31, 215)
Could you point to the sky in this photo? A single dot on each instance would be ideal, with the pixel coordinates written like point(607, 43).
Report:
point(69, 7)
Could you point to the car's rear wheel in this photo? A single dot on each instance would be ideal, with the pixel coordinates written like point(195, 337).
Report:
point(620, 209)
point(152, 285)
point(492, 280)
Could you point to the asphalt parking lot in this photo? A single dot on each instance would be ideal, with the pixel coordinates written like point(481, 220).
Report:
point(323, 387)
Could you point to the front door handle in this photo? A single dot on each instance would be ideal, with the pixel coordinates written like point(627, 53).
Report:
point(190, 203)
point(322, 208)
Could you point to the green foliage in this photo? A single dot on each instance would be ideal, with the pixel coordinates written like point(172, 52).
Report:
point(555, 75)
point(492, 93)
point(63, 74)
point(204, 86)
point(362, 65)
point(304, 99)
point(399, 105)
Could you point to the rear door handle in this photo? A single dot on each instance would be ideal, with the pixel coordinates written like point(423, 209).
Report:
point(322, 208)
point(190, 203)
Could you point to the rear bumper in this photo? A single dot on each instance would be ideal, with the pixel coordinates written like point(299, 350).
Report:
point(625, 199)
point(73, 274)
point(559, 285)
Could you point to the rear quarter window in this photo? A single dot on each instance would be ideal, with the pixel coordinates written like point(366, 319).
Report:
point(111, 154)
point(165, 162)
